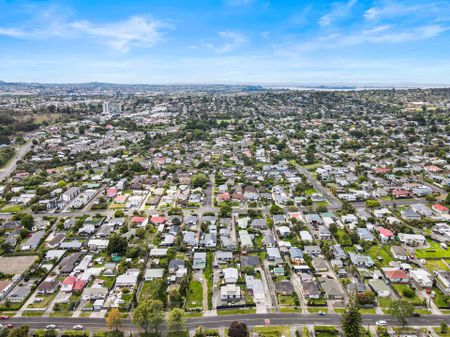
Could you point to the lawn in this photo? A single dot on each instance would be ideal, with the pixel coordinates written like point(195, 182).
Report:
point(438, 331)
point(61, 314)
point(367, 311)
point(272, 331)
point(312, 167)
point(325, 331)
point(236, 311)
point(12, 209)
point(400, 288)
point(433, 265)
point(433, 252)
point(310, 191)
point(46, 299)
point(439, 298)
point(195, 295)
point(376, 251)
point(32, 313)
point(316, 310)
point(343, 238)
point(288, 300)
point(384, 302)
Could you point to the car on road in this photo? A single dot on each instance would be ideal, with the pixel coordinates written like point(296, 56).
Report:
point(380, 323)
point(321, 313)
point(416, 314)
point(51, 327)
point(78, 327)
point(3, 317)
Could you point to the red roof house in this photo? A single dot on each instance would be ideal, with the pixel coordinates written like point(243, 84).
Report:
point(440, 208)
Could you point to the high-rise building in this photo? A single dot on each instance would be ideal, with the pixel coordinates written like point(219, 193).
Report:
point(112, 107)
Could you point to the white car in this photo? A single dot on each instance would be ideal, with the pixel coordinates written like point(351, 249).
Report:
point(78, 327)
point(51, 327)
point(381, 323)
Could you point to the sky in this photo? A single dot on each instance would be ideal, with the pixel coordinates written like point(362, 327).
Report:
point(226, 41)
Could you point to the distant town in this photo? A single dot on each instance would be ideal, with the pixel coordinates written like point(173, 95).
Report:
point(165, 208)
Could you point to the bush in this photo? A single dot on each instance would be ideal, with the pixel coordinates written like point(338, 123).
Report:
point(408, 292)
point(109, 333)
point(74, 333)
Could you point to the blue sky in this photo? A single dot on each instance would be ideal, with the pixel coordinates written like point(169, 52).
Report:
point(226, 41)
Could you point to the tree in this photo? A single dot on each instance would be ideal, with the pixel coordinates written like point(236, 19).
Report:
point(238, 329)
point(117, 245)
point(21, 331)
point(4, 332)
point(275, 209)
point(372, 203)
point(447, 199)
point(444, 327)
point(199, 180)
point(114, 319)
point(401, 309)
point(149, 314)
point(351, 320)
point(175, 319)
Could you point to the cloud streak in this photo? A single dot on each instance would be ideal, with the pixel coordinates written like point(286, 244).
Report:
point(226, 41)
point(136, 31)
point(339, 10)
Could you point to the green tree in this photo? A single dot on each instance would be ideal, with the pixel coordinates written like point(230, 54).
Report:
point(21, 331)
point(447, 199)
point(444, 327)
point(149, 314)
point(351, 320)
point(117, 245)
point(275, 209)
point(175, 319)
point(401, 310)
point(199, 180)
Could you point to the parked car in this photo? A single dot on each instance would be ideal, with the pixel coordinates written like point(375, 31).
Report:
point(3, 317)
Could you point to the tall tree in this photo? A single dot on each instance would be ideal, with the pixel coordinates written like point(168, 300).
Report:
point(114, 319)
point(401, 309)
point(351, 320)
point(149, 314)
point(175, 319)
point(238, 329)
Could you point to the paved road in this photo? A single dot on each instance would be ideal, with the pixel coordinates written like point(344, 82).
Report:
point(225, 321)
point(11, 166)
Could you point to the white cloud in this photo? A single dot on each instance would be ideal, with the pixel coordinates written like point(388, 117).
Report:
point(12, 32)
point(227, 41)
point(389, 10)
point(339, 10)
point(136, 31)
point(382, 34)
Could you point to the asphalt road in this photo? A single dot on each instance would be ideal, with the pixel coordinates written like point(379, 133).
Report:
point(11, 166)
point(225, 321)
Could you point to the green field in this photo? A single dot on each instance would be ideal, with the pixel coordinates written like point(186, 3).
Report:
point(433, 265)
point(433, 252)
point(376, 251)
point(195, 295)
point(272, 331)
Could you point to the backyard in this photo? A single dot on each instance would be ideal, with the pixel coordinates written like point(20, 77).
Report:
point(195, 295)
